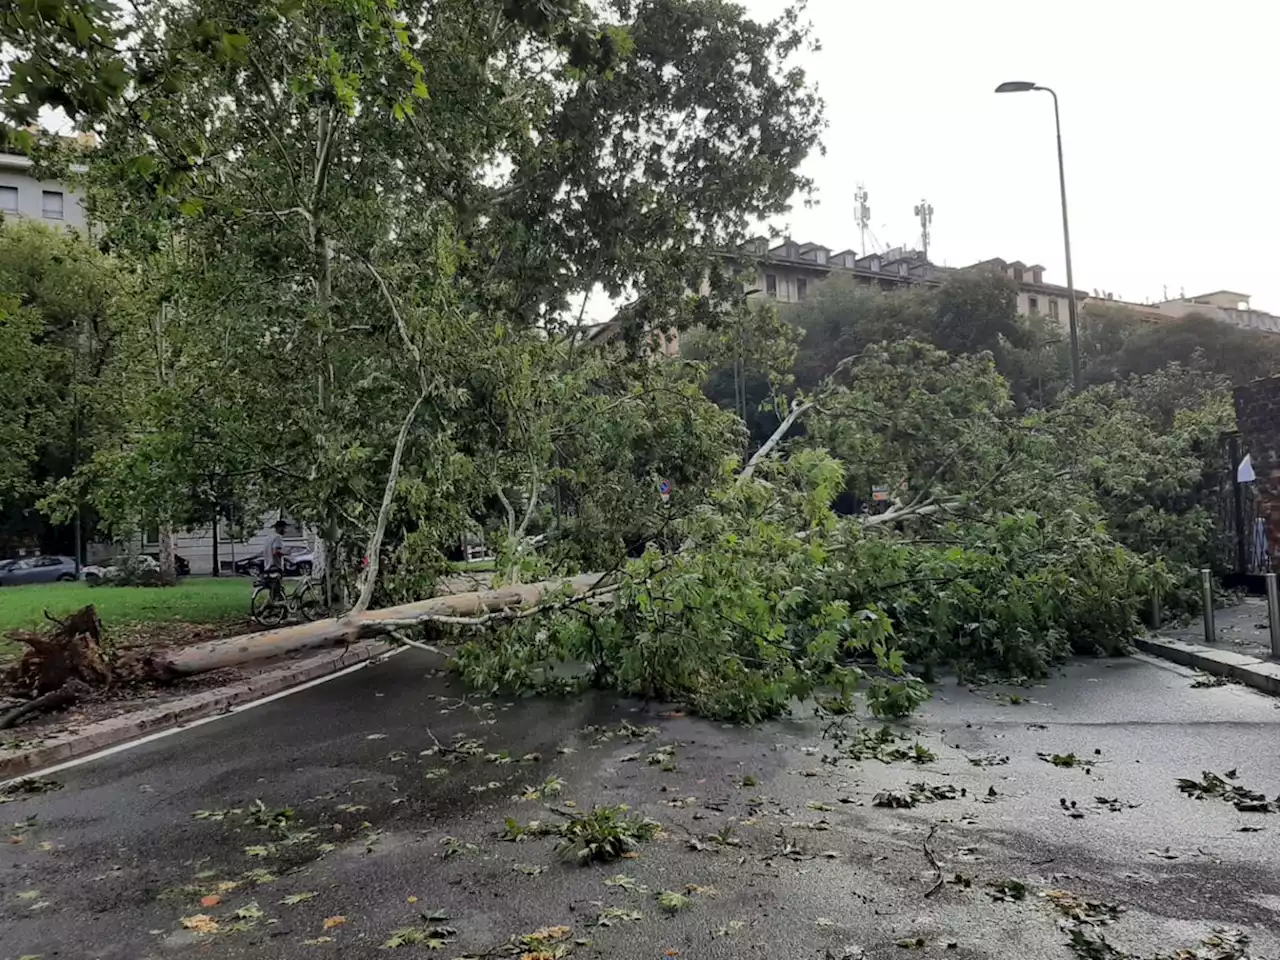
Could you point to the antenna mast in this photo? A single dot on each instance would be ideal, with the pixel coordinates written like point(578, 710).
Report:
point(924, 210)
point(862, 213)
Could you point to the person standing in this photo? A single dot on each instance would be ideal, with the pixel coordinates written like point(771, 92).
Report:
point(273, 556)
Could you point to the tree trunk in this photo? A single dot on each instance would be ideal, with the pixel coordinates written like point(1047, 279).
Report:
point(457, 608)
point(168, 566)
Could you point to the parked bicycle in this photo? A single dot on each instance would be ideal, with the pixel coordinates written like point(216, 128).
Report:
point(272, 603)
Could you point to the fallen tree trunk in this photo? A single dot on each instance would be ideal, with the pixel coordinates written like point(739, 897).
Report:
point(463, 609)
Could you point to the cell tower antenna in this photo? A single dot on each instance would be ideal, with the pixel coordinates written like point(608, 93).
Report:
point(862, 213)
point(924, 210)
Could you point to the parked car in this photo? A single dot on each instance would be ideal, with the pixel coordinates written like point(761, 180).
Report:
point(38, 570)
point(180, 564)
point(139, 565)
point(299, 561)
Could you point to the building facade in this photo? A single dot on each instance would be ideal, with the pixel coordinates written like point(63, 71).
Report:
point(789, 272)
point(1225, 306)
point(24, 195)
point(1034, 294)
point(206, 549)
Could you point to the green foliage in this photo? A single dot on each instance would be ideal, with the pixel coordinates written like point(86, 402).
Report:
point(604, 834)
point(60, 307)
point(750, 358)
point(1010, 541)
point(739, 622)
point(1118, 344)
point(672, 901)
point(969, 312)
point(910, 417)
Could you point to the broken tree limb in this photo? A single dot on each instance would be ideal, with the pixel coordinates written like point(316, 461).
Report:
point(369, 577)
point(232, 651)
point(66, 695)
point(766, 448)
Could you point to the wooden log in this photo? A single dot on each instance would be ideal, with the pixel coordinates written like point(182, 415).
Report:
point(233, 651)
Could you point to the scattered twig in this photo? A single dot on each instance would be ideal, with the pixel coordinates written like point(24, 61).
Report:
point(442, 748)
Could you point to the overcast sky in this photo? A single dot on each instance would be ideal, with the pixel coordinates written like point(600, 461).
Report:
point(1170, 120)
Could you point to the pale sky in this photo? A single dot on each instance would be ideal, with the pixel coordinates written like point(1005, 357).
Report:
point(1170, 122)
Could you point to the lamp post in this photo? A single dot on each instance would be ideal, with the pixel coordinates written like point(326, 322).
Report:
point(1022, 86)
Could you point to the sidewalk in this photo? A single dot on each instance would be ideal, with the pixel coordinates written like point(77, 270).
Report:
point(1241, 651)
point(1241, 628)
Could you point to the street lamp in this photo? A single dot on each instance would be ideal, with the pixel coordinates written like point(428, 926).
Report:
point(1022, 86)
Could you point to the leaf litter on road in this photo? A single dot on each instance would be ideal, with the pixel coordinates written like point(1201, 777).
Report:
point(672, 901)
point(201, 923)
point(1213, 786)
point(624, 882)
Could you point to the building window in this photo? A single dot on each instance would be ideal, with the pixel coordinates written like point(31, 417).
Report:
point(52, 205)
point(9, 199)
point(771, 284)
point(1033, 305)
point(802, 288)
point(1053, 309)
point(1017, 274)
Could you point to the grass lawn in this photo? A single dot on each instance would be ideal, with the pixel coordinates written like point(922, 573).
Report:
point(193, 600)
point(474, 566)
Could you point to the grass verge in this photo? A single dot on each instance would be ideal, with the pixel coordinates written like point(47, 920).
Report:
point(192, 600)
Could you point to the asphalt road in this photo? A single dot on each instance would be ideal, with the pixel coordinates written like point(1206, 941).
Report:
point(109, 865)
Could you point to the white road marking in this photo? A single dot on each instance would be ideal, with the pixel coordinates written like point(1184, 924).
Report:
point(239, 708)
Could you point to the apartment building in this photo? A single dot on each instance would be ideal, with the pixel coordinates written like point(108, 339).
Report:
point(789, 271)
point(22, 194)
point(1225, 306)
point(1034, 294)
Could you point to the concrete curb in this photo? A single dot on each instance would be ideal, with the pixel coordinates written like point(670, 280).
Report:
point(1255, 672)
point(15, 762)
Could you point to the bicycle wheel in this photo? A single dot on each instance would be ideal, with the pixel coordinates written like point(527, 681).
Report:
point(265, 609)
point(311, 602)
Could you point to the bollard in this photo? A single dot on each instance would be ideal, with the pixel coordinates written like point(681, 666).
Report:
point(1273, 614)
point(1206, 598)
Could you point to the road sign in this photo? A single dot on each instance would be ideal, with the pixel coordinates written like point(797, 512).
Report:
point(664, 490)
point(879, 494)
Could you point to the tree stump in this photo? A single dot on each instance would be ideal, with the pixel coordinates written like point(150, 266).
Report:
point(71, 651)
